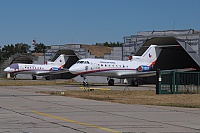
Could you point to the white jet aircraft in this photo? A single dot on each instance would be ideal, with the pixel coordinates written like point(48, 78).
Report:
point(38, 69)
point(138, 66)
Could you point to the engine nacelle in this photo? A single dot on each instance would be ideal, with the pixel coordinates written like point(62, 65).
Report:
point(143, 68)
point(54, 69)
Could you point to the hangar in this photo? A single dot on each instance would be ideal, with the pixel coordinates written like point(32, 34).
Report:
point(22, 58)
point(174, 55)
point(70, 58)
point(180, 48)
point(41, 58)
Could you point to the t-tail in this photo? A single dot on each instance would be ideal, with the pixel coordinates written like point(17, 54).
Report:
point(148, 58)
point(60, 61)
point(150, 55)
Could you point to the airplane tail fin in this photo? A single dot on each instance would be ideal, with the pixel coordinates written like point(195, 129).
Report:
point(60, 61)
point(150, 55)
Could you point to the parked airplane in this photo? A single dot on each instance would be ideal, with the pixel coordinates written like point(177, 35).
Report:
point(38, 69)
point(138, 66)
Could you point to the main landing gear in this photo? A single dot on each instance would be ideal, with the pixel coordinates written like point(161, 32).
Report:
point(134, 82)
point(34, 77)
point(47, 77)
point(111, 82)
point(15, 76)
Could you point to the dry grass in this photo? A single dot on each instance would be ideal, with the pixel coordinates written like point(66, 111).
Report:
point(128, 97)
point(136, 97)
point(12, 82)
point(98, 51)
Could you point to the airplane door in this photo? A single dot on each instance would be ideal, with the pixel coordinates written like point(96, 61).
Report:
point(94, 66)
point(21, 68)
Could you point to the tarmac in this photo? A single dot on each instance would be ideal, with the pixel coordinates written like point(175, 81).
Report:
point(22, 110)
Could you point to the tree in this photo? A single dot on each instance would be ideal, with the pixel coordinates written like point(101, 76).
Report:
point(9, 50)
point(111, 44)
point(22, 48)
point(39, 48)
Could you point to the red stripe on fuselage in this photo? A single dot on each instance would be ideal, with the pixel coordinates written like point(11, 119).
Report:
point(31, 70)
point(101, 70)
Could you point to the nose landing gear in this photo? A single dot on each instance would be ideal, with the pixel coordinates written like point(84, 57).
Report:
point(85, 83)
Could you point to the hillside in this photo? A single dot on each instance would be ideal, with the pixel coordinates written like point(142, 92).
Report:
point(98, 51)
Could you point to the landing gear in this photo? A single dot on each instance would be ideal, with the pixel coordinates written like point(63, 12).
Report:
point(15, 77)
point(47, 77)
point(111, 82)
point(34, 77)
point(134, 83)
point(85, 83)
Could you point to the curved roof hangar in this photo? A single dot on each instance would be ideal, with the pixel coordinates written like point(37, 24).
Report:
point(172, 56)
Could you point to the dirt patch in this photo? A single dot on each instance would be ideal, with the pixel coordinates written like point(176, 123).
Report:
point(98, 51)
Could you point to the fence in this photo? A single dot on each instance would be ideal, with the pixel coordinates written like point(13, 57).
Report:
point(174, 82)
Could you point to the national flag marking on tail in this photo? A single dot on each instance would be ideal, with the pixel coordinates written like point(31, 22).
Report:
point(150, 55)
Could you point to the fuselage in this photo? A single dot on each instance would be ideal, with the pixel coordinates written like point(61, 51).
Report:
point(37, 69)
point(19, 68)
point(138, 65)
point(102, 67)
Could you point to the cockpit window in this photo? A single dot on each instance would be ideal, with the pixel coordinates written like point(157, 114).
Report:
point(82, 62)
point(86, 62)
point(14, 66)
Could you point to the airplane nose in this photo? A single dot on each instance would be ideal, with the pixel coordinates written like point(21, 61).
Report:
point(72, 70)
point(7, 69)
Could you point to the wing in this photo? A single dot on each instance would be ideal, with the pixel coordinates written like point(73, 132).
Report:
point(59, 71)
point(137, 74)
point(63, 70)
point(149, 73)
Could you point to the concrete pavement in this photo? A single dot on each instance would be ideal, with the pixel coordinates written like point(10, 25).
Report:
point(24, 111)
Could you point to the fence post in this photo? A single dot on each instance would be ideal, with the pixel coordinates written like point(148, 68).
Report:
point(158, 83)
point(198, 84)
point(173, 82)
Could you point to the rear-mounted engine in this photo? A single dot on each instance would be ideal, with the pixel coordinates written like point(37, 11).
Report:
point(143, 68)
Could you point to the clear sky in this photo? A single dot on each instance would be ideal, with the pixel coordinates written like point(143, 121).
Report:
point(91, 21)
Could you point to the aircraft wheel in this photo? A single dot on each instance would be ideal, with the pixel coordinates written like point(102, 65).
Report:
point(85, 83)
point(14, 77)
point(34, 77)
point(47, 77)
point(111, 82)
point(134, 83)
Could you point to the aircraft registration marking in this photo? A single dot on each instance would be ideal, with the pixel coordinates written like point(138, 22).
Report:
point(74, 121)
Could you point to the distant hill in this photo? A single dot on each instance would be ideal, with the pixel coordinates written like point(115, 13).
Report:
point(98, 51)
